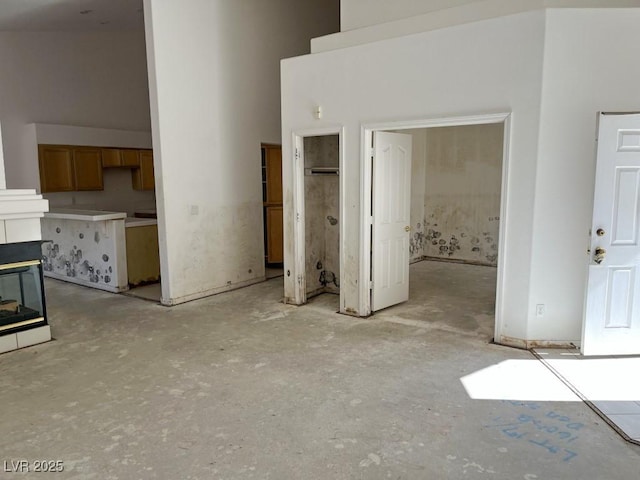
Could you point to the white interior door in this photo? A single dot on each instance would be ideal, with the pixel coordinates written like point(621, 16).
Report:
point(391, 191)
point(612, 311)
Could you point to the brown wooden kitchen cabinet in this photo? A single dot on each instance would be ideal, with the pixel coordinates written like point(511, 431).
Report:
point(272, 202)
point(275, 244)
point(120, 157)
point(143, 177)
point(56, 168)
point(87, 168)
point(67, 168)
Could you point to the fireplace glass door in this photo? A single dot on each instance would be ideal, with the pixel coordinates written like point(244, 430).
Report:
point(21, 296)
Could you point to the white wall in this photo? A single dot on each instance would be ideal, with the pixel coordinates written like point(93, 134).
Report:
point(590, 66)
point(86, 79)
point(3, 183)
point(213, 68)
point(361, 13)
point(366, 21)
point(490, 66)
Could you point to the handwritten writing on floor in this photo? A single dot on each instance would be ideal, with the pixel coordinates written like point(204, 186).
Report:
point(542, 427)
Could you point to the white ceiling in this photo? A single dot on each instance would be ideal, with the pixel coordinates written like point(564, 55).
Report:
point(65, 15)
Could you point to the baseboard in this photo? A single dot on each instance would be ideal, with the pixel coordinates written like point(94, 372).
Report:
point(531, 344)
point(210, 292)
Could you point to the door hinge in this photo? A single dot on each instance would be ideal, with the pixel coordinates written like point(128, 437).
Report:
point(297, 217)
point(371, 285)
point(299, 279)
point(372, 152)
point(297, 154)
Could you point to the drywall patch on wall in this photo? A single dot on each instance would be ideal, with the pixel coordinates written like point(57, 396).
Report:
point(462, 192)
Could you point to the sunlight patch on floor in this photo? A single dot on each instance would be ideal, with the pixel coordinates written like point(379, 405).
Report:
point(523, 380)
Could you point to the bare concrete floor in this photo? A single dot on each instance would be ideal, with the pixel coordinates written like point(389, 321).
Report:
point(240, 386)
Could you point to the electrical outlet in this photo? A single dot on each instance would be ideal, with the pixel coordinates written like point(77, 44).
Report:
point(540, 310)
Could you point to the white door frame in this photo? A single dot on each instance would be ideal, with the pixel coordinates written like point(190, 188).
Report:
point(299, 230)
point(367, 130)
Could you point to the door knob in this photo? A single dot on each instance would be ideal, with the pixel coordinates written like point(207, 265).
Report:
point(599, 256)
point(407, 228)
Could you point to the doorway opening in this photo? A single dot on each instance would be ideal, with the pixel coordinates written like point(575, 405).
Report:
point(318, 229)
point(271, 160)
point(321, 160)
point(454, 218)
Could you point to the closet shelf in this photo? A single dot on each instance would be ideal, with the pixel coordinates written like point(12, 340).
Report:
point(322, 171)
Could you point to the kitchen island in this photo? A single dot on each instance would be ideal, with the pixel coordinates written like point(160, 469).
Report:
point(86, 247)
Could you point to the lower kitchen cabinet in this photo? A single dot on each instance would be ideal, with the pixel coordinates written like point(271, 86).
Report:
point(143, 258)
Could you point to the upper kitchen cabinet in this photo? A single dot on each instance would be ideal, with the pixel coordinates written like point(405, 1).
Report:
point(65, 168)
point(120, 157)
point(143, 177)
point(87, 166)
point(56, 168)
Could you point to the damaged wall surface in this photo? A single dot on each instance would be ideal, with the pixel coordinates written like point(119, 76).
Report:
point(552, 70)
point(347, 83)
point(322, 229)
point(215, 97)
point(462, 192)
point(455, 193)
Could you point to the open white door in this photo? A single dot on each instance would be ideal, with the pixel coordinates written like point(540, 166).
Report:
point(391, 191)
point(612, 311)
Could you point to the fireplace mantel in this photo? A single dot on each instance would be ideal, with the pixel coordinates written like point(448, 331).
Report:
point(20, 214)
point(21, 204)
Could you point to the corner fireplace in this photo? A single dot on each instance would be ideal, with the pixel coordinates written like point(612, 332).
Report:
point(22, 302)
